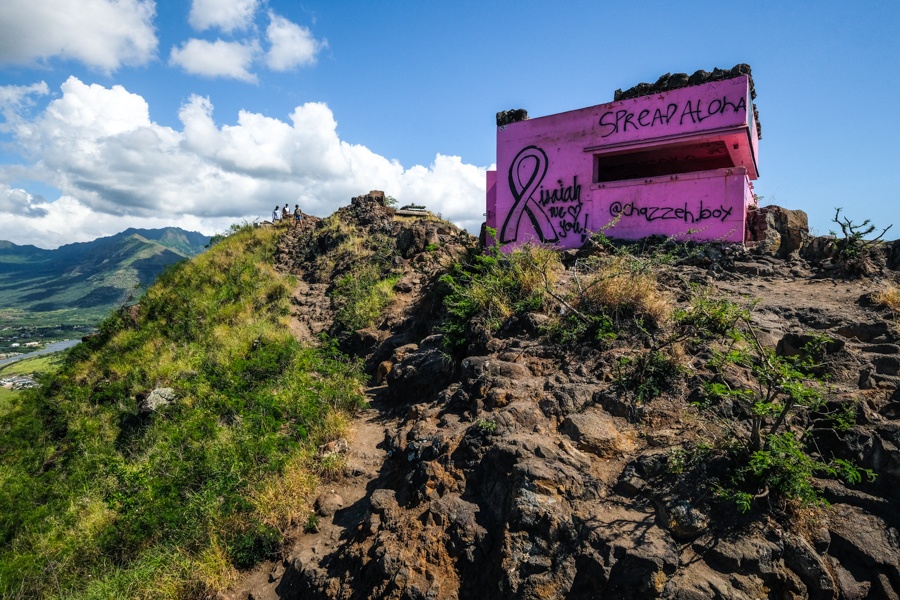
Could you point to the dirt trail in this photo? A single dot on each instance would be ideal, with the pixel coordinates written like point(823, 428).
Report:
point(341, 505)
point(309, 315)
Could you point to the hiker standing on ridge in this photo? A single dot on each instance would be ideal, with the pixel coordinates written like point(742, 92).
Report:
point(275, 215)
point(298, 215)
point(285, 214)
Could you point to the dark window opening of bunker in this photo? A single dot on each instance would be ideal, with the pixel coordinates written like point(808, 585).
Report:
point(671, 160)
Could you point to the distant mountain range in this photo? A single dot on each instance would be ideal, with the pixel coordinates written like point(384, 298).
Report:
point(81, 282)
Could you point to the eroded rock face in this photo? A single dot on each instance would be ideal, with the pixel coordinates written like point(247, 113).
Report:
point(520, 471)
point(511, 116)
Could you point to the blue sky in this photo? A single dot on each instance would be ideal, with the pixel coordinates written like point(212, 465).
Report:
point(118, 113)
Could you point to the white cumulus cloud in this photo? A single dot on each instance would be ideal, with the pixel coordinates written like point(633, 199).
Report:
point(227, 15)
point(288, 46)
point(116, 168)
point(14, 96)
point(102, 34)
point(18, 202)
point(217, 59)
point(291, 45)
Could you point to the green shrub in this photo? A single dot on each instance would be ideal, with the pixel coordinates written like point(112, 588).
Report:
point(647, 375)
point(854, 244)
point(493, 287)
point(784, 469)
point(486, 426)
point(361, 298)
point(571, 329)
point(710, 317)
point(772, 459)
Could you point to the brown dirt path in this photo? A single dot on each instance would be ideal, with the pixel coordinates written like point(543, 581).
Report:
point(341, 505)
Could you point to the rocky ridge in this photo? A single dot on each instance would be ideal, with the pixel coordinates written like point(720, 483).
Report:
point(518, 470)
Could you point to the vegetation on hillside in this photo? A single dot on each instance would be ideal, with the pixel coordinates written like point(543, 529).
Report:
point(486, 289)
point(361, 272)
point(764, 406)
point(103, 497)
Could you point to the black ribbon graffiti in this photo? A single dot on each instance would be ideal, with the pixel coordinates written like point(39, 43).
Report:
point(522, 192)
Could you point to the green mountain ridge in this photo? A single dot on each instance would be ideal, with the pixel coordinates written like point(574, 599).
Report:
point(81, 282)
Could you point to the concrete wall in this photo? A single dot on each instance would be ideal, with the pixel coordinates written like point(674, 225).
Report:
point(685, 158)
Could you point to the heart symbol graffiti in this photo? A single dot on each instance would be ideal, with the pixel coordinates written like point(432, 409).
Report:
point(574, 211)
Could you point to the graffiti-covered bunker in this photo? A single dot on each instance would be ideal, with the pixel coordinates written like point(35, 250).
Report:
point(671, 159)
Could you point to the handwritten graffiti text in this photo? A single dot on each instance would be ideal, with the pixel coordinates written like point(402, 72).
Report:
point(571, 221)
point(564, 203)
point(571, 193)
point(668, 213)
point(619, 121)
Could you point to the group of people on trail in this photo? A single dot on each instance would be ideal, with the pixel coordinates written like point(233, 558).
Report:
point(284, 215)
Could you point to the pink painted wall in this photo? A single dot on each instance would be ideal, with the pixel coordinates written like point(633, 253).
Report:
point(557, 176)
point(490, 215)
point(708, 205)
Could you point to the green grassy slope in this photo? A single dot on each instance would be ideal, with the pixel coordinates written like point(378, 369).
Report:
point(101, 500)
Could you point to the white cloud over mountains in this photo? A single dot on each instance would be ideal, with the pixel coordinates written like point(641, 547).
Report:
point(87, 160)
point(102, 34)
point(18, 202)
point(108, 34)
point(116, 168)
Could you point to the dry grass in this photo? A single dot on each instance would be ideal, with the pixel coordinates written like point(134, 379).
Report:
point(213, 569)
point(889, 297)
point(621, 286)
point(535, 267)
point(335, 425)
point(344, 242)
point(284, 501)
point(330, 466)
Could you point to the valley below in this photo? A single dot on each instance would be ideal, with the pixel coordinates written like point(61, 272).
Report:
point(44, 293)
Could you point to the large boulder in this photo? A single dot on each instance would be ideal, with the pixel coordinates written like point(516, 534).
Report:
point(777, 230)
point(422, 372)
point(153, 401)
point(596, 432)
point(412, 240)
